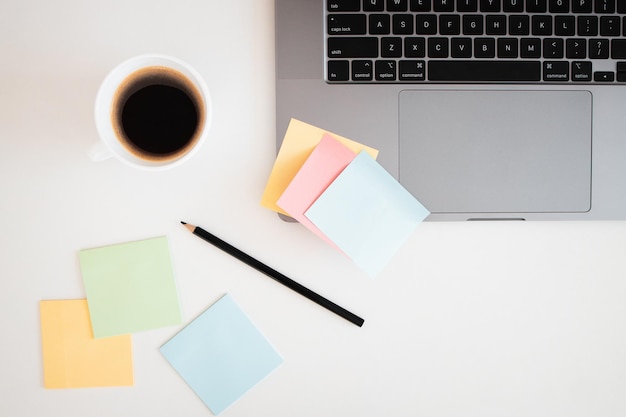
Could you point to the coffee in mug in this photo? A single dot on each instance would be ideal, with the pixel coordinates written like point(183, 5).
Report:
point(152, 111)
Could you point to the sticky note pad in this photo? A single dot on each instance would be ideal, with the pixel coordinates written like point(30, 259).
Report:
point(320, 169)
point(367, 213)
point(72, 358)
point(130, 287)
point(298, 143)
point(221, 354)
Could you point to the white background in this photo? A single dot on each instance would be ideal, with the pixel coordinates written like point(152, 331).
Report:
point(469, 319)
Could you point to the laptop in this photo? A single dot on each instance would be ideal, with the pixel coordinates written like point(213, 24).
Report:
point(482, 109)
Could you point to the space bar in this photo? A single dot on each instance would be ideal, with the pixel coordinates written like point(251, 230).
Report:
point(484, 70)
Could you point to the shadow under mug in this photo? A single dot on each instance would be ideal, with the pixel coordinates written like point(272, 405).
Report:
point(151, 112)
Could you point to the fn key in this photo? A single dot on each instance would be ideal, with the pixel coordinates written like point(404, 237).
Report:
point(338, 70)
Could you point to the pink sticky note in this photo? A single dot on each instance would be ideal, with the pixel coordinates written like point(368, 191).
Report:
point(326, 162)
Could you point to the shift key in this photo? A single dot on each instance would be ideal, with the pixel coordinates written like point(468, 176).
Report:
point(618, 48)
point(350, 47)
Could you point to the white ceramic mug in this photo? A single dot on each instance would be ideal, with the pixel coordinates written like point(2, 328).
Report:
point(119, 88)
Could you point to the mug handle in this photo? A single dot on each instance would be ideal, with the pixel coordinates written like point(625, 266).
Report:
point(99, 152)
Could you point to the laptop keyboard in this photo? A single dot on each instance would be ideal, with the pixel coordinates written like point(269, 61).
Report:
point(475, 41)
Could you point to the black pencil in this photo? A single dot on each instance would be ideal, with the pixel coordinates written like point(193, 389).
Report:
point(272, 273)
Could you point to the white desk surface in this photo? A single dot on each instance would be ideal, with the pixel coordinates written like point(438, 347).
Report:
point(470, 319)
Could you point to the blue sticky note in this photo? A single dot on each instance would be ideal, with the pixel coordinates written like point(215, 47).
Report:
point(367, 214)
point(221, 354)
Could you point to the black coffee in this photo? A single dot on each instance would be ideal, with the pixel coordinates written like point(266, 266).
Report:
point(159, 119)
point(157, 113)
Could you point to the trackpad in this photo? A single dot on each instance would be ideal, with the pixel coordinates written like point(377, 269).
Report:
point(496, 151)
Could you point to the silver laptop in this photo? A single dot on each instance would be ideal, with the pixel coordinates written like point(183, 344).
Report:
point(483, 109)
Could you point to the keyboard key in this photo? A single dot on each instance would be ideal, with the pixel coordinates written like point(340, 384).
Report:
point(380, 24)
point(350, 47)
point(450, 24)
point(397, 5)
point(461, 48)
point(472, 24)
point(373, 5)
point(495, 25)
point(604, 76)
point(484, 71)
point(605, 6)
point(347, 24)
point(344, 5)
point(421, 6)
point(513, 6)
point(362, 70)
point(438, 48)
point(403, 24)
point(553, 48)
point(565, 25)
point(338, 70)
point(490, 6)
point(621, 7)
point(610, 26)
point(587, 26)
point(581, 71)
point(391, 47)
point(576, 48)
point(507, 48)
point(519, 25)
point(542, 25)
point(558, 6)
point(621, 72)
point(598, 48)
point(426, 24)
point(443, 5)
point(412, 71)
point(530, 48)
point(536, 6)
point(385, 70)
point(556, 71)
point(484, 48)
point(414, 47)
point(618, 48)
point(582, 6)
point(467, 6)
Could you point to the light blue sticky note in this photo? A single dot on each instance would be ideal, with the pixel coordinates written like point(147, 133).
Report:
point(367, 214)
point(221, 354)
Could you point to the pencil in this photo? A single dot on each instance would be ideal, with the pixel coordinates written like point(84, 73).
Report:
point(272, 273)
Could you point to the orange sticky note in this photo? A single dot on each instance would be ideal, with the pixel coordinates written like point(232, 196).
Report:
point(300, 140)
point(72, 358)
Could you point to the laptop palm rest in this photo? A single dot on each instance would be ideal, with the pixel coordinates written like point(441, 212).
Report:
point(496, 151)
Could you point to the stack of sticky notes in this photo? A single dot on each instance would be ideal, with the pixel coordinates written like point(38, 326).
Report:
point(334, 186)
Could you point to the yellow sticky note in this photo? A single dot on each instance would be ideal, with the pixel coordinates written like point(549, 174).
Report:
point(72, 358)
point(300, 140)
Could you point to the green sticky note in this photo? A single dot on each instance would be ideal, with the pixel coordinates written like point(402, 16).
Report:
point(130, 287)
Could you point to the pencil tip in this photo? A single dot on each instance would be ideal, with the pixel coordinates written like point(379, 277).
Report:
point(189, 227)
point(182, 222)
